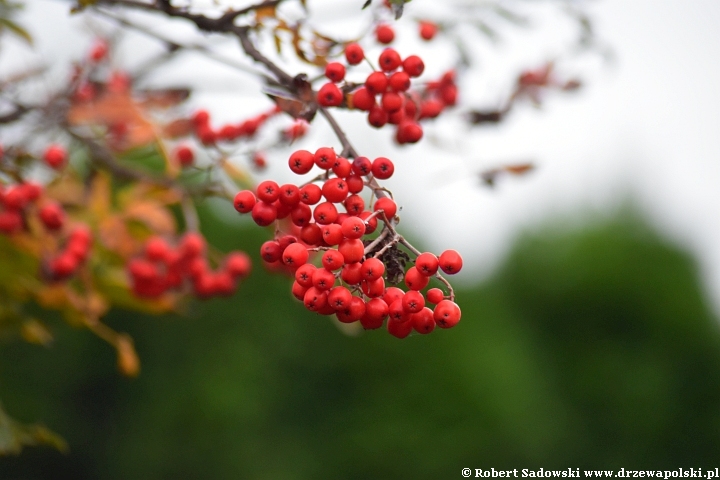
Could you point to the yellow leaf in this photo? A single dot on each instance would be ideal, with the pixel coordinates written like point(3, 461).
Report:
point(155, 216)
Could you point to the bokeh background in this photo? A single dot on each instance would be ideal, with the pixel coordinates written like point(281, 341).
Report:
point(589, 336)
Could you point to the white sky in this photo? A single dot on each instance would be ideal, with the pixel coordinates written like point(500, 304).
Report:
point(645, 127)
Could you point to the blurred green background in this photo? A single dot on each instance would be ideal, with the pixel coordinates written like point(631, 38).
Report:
point(589, 348)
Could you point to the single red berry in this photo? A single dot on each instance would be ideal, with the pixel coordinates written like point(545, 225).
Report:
point(409, 132)
point(31, 190)
point(332, 234)
point(427, 264)
point(270, 251)
point(325, 213)
point(449, 94)
point(52, 216)
point(391, 102)
point(268, 191)
point(352, 249)
point(184, 156)
point(295, 255)
point(351, 273)
point(335, 71)
point(376, 310)
point(389, 60)
point(244, 201)
point(329, 95)
point(304, 275)
point(310, 194)
point(400, 329)
point(413, 66)
point(446, 314)
point(353, 227)
point(382, 168)
point(192, 245)
point(342, 167)
point(387, 205)
point(301, 161)
point(427, 30)
point(325, 157)
point(362, 166)
point(339, 298)
point(10, 221)
point(332, 260)
point(354, 54)
point(362, 99)
point(301, 215)
point(63, 266)
point(434, 295)
point(55, 156)
point(376, 83)
point(392, 294)
point(289, 194)
point(323, 279)
point(264, 213)
point(450, 262)
point(415, 280)
point(399, 81)
point(354, 204)
point(372, 269)
point(286, 240)
point(396, 117)
point(397, 313)
point(370, 223)
point(311, 234)
point(99, 50)
point(431, 108)
point(411, 109)
point(423, 321)
point(238, 264)
point(156, 249)
point(315, 299)
point(335, 190)
point(298, 291)
point(413, 301)
point(377, 117)
point(373, 288)
point(384, 34)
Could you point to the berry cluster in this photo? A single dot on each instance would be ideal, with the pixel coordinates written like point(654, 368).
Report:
point(72, 257)
point(228, 133)
point(350, 281)
point(162, 268)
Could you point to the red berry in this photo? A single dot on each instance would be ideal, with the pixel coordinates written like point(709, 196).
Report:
point(244, 201)
point(335, 71)
point(376, 83)
point(391, 102)
point(399, 81)
point(325, 213)
point(264, 214)
point(446, 314)
point(238, 264)
point(415, 280)
point(295, 255)
point(335, 190)
point(362, 166)
point(397, 313)
point(423, 321)
point(63, 266)
point(372, 269)
point(353, 227)
point(413, 66)
point(268, 191)
point(184, 156)
point(354, 204)
point(323, 279)
point(352, 313)
point(392, 294)
point(342, 167)
point(310, 194)
point(192, 245)
point(10, 221)
point(156, 249)
point(427, 30)
point(52, 216)
point(311, 234)
point(325, 158)
point(448, 93)
point(427, 264)
point(377, 117)
point(450, 262)
point(270, 251)
point(387, 205)
point(301, 215)
point(329, 95)
point(371, 224)
point(354, 54)
point(289, 194)
point(55, 156)
point(99, 50)
point(298, 291)
point(332, 260)
point(301, 162)
point(389, 60)
point(400, 329)
point(376, 310)
point(373, 288)
point(352, 249)
point(413, 301)
point(332, 234)
point(351, 273)
point(382, 168)
point(409, 132)
point(362, 99)
point(315, 299)
point(304, 275)
point(384, 34)
point(340, 298)
point(434, 295)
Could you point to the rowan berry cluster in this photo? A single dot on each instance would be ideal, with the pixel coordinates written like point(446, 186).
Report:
point(162, 267)
point(67, 262)
point(358, 272)
point(229, 132)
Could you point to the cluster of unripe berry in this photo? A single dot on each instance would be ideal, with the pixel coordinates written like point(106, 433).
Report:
point(351, 279)
point(162, 267)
